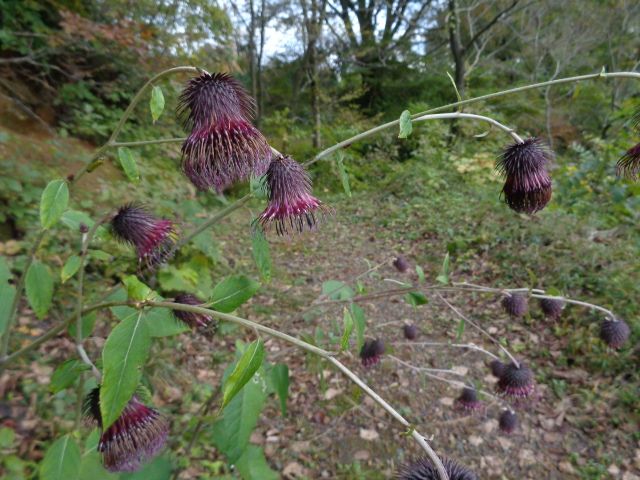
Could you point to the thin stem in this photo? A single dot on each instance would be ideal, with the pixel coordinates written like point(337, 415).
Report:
point(320, 352)
point(480, 329)
point(79, 400)
point(482, 118)
point(141, 143)
point(85, 358)
point(470, 346)
point(592, 306)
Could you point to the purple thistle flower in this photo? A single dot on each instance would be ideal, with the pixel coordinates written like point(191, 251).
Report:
point(614, 333)
point(197, 321)
point(552, 307)
point(516, 382)
point(371, 352)
point(153, 238)
point(410, 332)
point(401, 264)
point(527, 188)
point(291, 205)
point(515, 304)
point(497, 368)
point(468, 400)
point(423, 469)
point(629, 164)
point(138, 435)
point(508, 421)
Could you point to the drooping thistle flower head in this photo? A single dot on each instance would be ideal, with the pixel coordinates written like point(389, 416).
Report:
point(138, 435)
point(401, 264)
point(291, 207)
point(515, 304)
point(497, 368)
point(629, 164)
point(371, 352)
point(410, 331)
point(552, 307)
point(223, 147)
point(516, 381)
point(614, 332)
point(527, 187)
point(197, 321)
point(153, 238)
point(468, 400)
point(508, 421)
point(423, 469)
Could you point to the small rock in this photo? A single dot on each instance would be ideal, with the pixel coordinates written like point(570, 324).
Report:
point(526, 457)
point(490, 425)
point(332, 393)
point(294, 470)
point(475, 440)
point(370, 435)
point(566, 467)
point(613, 470)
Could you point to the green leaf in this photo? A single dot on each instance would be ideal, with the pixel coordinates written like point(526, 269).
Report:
point(7, 294)
point(160, 468)
point(128, 164)
point(248, 364)
point(88, 323)
point(39, 286)
point(136, 290)
point(53, 203)
point(337, 290)
point(416, 299)
point(460, 329)
point(261, 254)
point(62, 460)
point(5, 272)
point(420, 272)
point(156, 104)
point(252, 465)
point(406, 127)
point(280, 379)
point(258, 186)
point(91, 464)
point(66, 374)
point(162, 323)
point(232, 432)
point(344, 176)
point(358, 316)
point(455, 87)
point(444, 273)
point(347, 321)
point(232, 292)
point(70, 268)
point(7, 437)
point(73, 219)
point(124, 353)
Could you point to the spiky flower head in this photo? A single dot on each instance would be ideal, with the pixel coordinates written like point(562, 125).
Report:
point(410, 331)
point(371, 352)
point(223, 147)
point(291, 207)
point(468, 400)
point(423, 469)
point(153, 238)
point(197, 321)
point(552, 307)
point(516, 381)
point(497, 368)
point(515, 304)
point(527, 187)
point(629, 164)
point(138, 435)
point(614, 332)
point(401, 264)
point(508, 421)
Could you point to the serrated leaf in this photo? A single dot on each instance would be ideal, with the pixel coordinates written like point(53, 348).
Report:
point(337, 290)
point(123, 356)
point(416, 299)
point(406, 127)
point(248, 364)
point(360, 323)
point(156, 104)
point(136, 290)
point(66, 374)
point(344, 176)
point(62, 460)
point(39, 286)
point(232, 432)
point(128, 164)
point(347, 324)
point(261, 254)
point(444, 273)
point(252, 465)
point(70, 268)
point(232, 292)
point(280, 379)
point(54, 201)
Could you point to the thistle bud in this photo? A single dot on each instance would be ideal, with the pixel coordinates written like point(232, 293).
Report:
point(423, 469)
point(552, 307)
point(614, 333)
point(410, 332)
point(516, 381)
point(515, 304)
point(401, 264)
point(197, 321)
point(497, 368)
point(468, 400)
point(508, 421)
point(371, 352)
point(629, 164)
